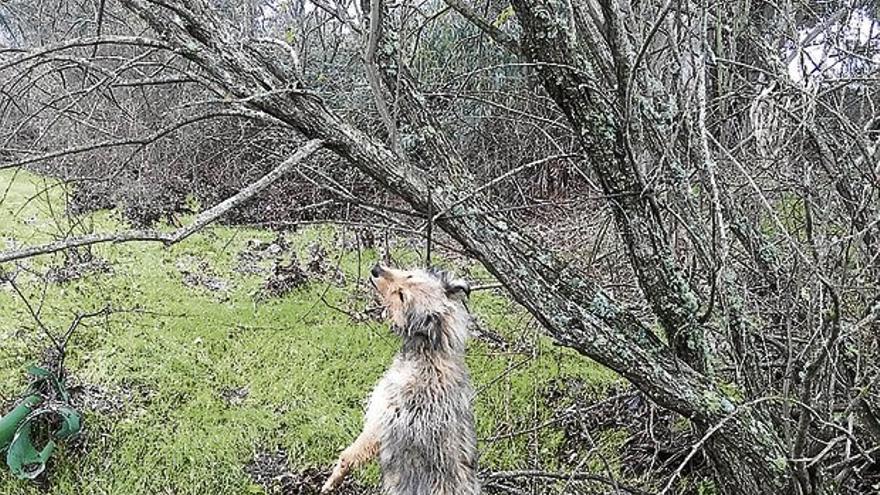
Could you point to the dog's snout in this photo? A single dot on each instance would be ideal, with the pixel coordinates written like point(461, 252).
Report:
point(376, 271)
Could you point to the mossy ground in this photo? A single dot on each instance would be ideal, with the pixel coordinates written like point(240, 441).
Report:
point(171, 355)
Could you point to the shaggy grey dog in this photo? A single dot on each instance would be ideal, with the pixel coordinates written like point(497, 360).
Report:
point(420, 418)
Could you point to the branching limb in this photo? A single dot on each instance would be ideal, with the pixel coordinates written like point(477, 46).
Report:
point(201, 221)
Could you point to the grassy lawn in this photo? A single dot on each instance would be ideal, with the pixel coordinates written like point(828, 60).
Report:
point(194, 373)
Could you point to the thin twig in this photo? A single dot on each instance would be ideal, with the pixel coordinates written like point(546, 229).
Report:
point(34, 314)
point(429, 234)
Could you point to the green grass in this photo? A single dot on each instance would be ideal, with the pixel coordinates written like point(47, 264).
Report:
point(172, 352)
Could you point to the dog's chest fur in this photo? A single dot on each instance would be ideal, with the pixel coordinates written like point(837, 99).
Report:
point(427, 444)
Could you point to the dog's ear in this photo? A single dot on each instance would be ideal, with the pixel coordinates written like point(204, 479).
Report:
point(455, 288)
point(423, 328)
point(458, 289)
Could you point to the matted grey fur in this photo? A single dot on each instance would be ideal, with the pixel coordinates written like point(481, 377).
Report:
point(420, 419)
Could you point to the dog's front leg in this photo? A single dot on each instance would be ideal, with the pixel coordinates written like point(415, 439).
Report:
point(364, 448)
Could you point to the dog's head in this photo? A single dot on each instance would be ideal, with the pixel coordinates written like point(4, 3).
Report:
point(424, 306)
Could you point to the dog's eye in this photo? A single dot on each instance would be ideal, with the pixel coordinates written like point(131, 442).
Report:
point(400, 295)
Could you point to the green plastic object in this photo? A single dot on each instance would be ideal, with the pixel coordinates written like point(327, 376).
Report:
point(71, 423)
point(22, 456)
point(9, 423)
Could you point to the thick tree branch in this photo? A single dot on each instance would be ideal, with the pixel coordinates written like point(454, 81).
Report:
point(79, 42)
point(373, 7)
point(596, 121)
point(493, 31)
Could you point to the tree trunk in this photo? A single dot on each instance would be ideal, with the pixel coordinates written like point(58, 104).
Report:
point(746, 455)
point(614, 157)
